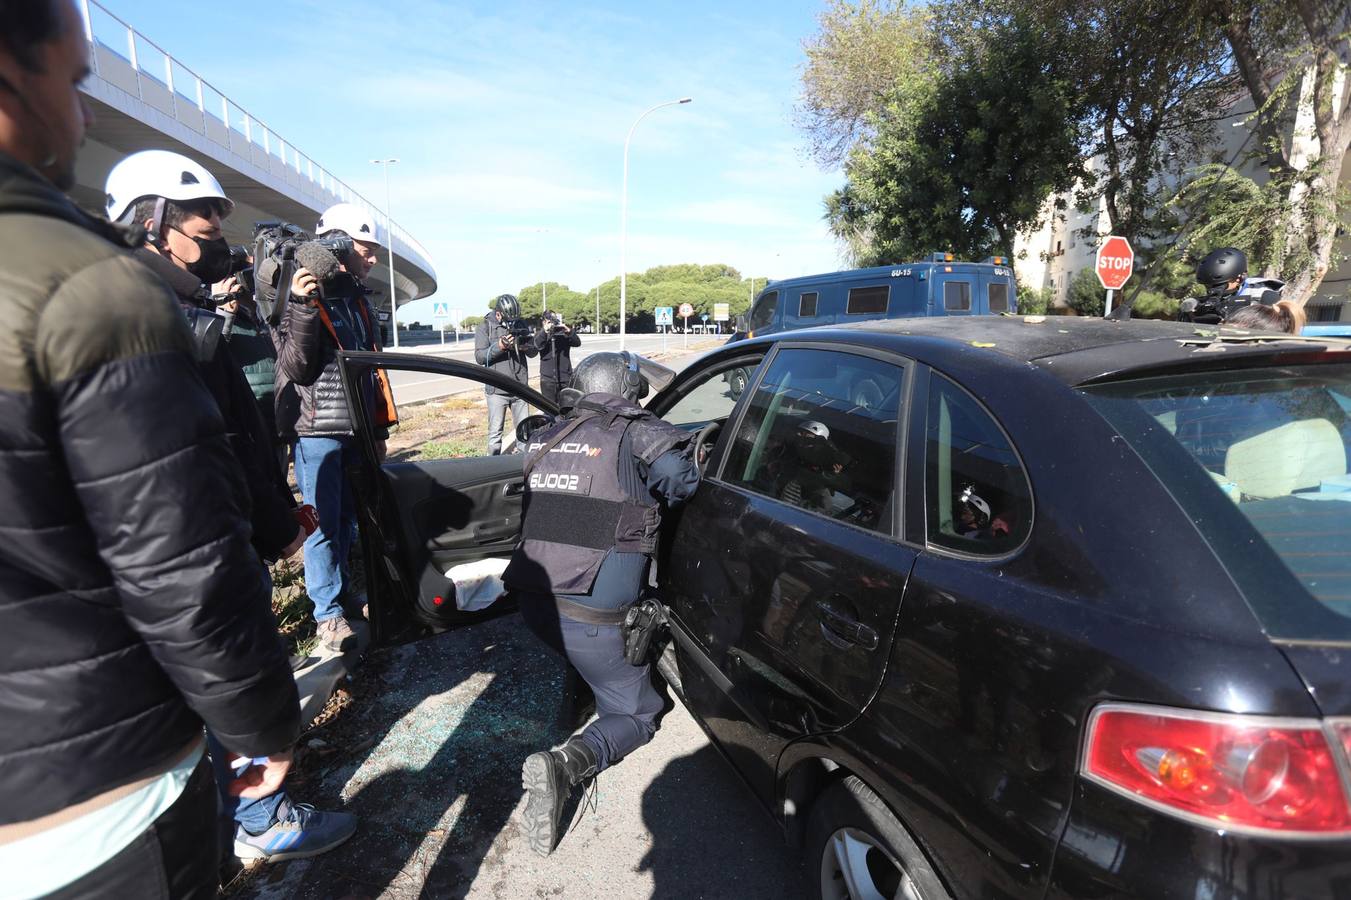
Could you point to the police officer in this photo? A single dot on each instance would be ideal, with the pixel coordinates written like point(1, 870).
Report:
point(1224, 274)
point(597, 482)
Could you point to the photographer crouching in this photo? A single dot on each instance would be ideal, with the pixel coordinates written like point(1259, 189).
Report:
point(327, 311)
point(503, 341)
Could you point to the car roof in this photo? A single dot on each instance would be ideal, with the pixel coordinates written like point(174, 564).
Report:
point(874, 273)
point(1077, 349)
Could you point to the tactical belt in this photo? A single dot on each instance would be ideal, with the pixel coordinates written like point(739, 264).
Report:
point(590, 615)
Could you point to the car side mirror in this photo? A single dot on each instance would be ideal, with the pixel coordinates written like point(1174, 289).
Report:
point(530, 425)
point(741, 323)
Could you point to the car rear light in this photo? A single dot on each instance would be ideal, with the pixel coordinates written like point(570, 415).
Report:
point(1223, 770)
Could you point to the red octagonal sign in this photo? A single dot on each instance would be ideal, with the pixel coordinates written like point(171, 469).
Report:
point(1116, 259)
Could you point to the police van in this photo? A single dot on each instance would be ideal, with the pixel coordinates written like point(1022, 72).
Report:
point(940, 286)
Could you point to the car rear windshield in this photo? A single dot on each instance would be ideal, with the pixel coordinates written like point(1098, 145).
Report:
point(1258, 458)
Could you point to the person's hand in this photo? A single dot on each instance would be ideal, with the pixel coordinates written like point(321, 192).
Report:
point(381, 449)
point(293, 548)
point(307, 517)
point(230, 285)
point(260, 779)
point(303, 284)
point(506, 342)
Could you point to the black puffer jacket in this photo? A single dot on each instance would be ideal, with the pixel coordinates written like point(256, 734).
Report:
point(269, 501)
point(132, 607)
point(310, 398)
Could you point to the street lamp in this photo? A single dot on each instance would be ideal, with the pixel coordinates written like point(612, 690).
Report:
point(389, 232)
point(624, 220)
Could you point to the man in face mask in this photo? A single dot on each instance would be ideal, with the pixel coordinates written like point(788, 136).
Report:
point(180, 205)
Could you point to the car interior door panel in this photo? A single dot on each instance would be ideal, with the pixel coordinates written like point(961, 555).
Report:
point(422, 518)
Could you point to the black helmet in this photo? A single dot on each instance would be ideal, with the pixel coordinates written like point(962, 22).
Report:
point(1222, 266)
point(508, 306)
point(624, 374)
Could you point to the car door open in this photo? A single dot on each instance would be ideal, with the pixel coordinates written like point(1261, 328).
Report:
point(440, 509)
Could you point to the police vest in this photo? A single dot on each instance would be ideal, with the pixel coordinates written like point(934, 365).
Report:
point(576, 508)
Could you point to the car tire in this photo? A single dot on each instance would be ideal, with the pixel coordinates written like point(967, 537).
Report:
point(858, 850)
point(736, 382)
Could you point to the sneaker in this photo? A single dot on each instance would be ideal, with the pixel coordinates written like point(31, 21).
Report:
point(300, 831)
point(336, 635)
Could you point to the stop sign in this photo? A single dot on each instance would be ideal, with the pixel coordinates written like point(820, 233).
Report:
point(1116, 259)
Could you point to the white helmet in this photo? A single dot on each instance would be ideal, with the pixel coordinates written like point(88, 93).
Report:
point(352, 220)
point(159, 173)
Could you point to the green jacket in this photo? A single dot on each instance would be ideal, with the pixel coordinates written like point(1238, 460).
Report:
point(252, 347)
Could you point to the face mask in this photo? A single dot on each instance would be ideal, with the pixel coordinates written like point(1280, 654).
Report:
point(213, 259)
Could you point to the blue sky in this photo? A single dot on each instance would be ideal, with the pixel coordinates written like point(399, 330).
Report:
point(509, 120)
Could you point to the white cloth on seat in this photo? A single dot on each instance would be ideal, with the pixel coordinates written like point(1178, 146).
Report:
point(1296, 456)
point(478, 584)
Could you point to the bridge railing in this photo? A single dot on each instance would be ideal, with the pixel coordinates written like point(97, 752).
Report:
point(127, 59)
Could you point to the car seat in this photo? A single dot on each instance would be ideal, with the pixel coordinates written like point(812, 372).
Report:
point(1295, 456)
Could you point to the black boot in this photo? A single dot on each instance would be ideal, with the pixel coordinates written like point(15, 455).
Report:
point(548, 778)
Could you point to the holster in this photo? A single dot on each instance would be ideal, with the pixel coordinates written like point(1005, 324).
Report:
point(644, 630)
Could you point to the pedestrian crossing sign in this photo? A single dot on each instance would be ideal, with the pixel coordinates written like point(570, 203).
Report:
point(441, 311)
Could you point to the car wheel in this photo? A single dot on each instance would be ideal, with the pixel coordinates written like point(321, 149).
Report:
point(867, 394)
point(736, 382)
point(858, 850)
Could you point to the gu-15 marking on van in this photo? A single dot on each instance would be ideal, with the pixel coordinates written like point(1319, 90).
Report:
point(937, 287)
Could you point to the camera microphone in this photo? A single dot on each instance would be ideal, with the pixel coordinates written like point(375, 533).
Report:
point(318, 260)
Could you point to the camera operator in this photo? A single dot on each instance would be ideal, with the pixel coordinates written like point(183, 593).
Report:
point(180, 205)
point(554, 342)
point(326, 314)
point(503, 341)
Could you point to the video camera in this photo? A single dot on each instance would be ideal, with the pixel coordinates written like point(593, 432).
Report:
point(519, 329)
point(279, 241)
point(1208, 310)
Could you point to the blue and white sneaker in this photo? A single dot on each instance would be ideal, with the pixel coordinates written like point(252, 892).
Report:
point(300, 831)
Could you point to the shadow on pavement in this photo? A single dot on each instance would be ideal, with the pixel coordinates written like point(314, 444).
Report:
point(711, 839)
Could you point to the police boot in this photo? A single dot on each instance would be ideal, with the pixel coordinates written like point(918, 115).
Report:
point(548, 778)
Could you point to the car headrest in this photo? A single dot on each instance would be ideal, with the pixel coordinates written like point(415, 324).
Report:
point(1295, 456)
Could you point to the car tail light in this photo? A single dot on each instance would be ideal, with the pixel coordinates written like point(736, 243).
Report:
point(1227, 771)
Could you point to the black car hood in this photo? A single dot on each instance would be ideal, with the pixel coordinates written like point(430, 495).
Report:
point(1325, 670)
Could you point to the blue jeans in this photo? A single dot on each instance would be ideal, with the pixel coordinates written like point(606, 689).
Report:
point(497, 414)
point(321, 466)
point(254, 816)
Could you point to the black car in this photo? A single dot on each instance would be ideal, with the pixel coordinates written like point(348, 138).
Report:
point(1062, 610)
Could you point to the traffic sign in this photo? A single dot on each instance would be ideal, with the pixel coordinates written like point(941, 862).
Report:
point(440, 310)
point(665, 315)
point(1115, 262)
point(686, 310)
point(721, 312)
point(703, 316)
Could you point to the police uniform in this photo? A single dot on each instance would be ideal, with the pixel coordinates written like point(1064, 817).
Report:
point(596, 485)
point(591, 526)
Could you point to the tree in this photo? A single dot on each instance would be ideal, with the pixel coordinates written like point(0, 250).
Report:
point(962, 155)
point(861, 52)
point(1307, 45)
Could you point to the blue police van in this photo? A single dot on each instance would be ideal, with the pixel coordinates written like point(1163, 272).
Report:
point(940, 286)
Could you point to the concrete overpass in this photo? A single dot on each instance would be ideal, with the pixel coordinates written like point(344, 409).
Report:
point(145, 99)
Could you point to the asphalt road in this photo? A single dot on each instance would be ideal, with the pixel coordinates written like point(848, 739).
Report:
point(412, 387)
point(429, 756)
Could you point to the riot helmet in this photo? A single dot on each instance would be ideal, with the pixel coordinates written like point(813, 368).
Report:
point(975, 505)
point(811, 444)
point(624, 374)
point(1221, 267)
point(508, 306)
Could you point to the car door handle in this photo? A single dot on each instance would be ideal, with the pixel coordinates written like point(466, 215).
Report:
point(484, 534)
point(846, 627)
point(513, 489)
